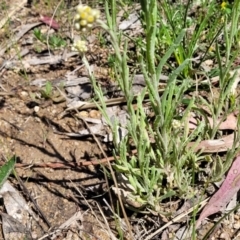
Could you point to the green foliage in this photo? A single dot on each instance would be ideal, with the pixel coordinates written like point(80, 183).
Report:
point(6, 170)
point(55, 41)
point(47, 91)
point(4, 6)
point(177, 40)
point(38, 34)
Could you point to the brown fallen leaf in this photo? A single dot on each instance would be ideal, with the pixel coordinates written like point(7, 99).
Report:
point(222, 197)
point(214, 146)
point(49, 21)
point(230, 122)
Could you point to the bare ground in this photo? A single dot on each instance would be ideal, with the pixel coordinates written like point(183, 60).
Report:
point(27, 129)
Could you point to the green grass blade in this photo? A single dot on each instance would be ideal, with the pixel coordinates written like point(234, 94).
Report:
point(169, 53)
point(6, 170)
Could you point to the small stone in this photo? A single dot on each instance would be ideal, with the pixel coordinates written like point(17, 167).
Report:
point(94, 114)
point(36, 109)
point(236, 225)
point(24, 93)
point(23, 97)
point(34, 235)
point(83, 114)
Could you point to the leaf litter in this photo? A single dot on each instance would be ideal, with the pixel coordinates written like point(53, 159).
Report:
point(222, 197)
point(77, 98)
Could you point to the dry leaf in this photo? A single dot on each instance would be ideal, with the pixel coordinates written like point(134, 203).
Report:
point(50, 22)
point(223, 196)
point(230, 122)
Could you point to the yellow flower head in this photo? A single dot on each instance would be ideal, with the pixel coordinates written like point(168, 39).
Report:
point(90, 18)
point(83, 23)
point(85, 17)
point(224, 5)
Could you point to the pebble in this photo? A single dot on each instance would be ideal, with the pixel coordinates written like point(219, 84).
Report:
point(24, 93)
point(94, 114)
point(36, 109)
point(83, 114)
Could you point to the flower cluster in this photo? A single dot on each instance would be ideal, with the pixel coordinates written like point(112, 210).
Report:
point(80, 46)
point(223, 5)
point(226, 7)
point(84, 20)
point(176, 124)
point(85, 17)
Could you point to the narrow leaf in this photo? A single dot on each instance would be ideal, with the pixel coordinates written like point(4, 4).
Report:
point(6, 170)
point(169, 52)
